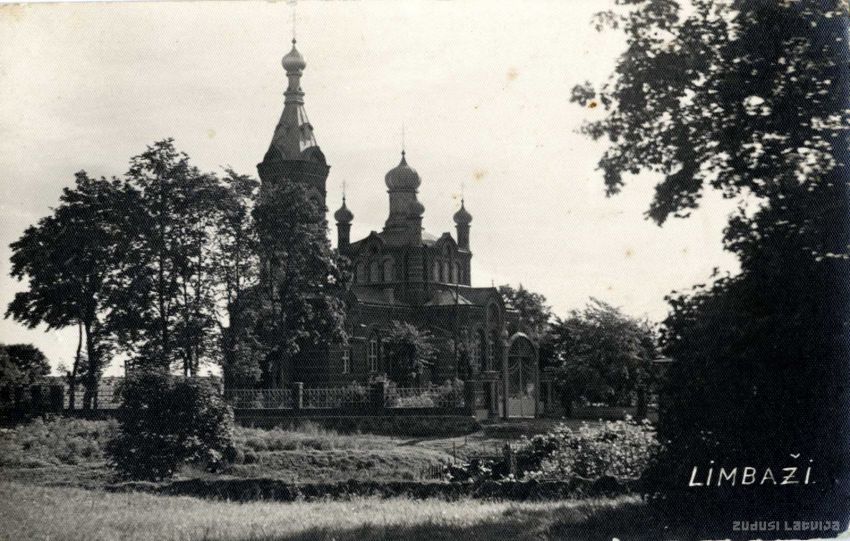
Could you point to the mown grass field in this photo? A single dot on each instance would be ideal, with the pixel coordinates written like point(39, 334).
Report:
point(62, 513)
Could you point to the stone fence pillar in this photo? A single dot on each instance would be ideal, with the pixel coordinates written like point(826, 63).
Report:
point(298, 395)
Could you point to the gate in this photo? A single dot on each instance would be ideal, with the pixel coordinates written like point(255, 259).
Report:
point(522, 381)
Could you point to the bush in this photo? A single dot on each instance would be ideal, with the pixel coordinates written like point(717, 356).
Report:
point(616, 449)
point(166, 422)
point(620, 449)
point(54, 441)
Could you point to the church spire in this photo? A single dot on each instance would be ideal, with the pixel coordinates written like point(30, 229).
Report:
point(462, 219)
point(294, 155)
point(294, 133)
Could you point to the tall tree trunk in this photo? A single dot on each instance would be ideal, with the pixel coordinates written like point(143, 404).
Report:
point(72, 379)
point(92, 376)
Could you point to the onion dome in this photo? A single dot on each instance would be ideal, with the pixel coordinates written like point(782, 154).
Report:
point(462, 216)
point(402, 176)
point(415, 209)
point(343, 215)
point(293, 61)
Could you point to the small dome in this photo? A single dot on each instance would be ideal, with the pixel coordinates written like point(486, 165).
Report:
point(462, 216)
point(402, 176)
point(415, 209)
point(343, 215)
point(293, 61)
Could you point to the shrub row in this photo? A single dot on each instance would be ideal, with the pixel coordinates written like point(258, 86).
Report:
point(244, 490)
point(616, 449)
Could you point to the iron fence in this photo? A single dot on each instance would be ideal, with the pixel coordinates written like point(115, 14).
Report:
point(334, 397)
point(260, 398)
point(423, 397)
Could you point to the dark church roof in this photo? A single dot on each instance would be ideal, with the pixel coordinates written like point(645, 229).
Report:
point(480, 295)
point(373, 295)
point(447, 298)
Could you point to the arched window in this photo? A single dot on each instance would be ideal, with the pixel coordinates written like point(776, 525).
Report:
point(445, 273)
point(389, 274)
point(362, 275)
point(455, 273)
point(479, 348)
point(436, 271)
point(375, 272)
point(493, 314)
point(372, 354)
point(493, 362)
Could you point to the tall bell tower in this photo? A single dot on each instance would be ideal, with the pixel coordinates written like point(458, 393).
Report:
point(294, 155)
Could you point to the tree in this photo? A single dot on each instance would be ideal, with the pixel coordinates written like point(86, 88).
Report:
point(602, 355)
point(409, 350)
point(535, 318)
point(166, 422)
point(236, 264)
point(297, 305)
point(534, 314)
point(168, 311)
point(22, 364)
point(70, 260)
point(750, 98)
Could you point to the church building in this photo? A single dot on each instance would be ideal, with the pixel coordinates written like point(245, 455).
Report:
point(403, 273)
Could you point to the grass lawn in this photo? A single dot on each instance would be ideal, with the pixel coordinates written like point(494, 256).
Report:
point(62, 513)
point(69, 452)
point(490, 440)
point(54, 484)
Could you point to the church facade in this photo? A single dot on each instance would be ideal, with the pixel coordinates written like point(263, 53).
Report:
point(402, 273)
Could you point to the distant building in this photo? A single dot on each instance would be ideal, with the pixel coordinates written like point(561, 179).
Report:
point(405, 274)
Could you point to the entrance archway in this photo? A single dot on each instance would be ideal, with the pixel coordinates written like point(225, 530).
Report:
point(522, 378)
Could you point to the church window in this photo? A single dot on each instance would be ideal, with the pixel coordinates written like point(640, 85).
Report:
point(362, 276)
point(389, 275)
point(372, 354)
point(493, 351)
point(479, 346)
point(491, 347)
point(375, 272)
point(346, 360)
point(493, 314)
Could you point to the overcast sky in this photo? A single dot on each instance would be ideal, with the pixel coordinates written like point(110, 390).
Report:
point(482, 89)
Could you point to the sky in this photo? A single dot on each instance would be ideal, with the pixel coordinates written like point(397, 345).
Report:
point(481, 88)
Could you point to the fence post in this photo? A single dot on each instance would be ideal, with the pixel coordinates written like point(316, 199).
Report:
point(298, 395)
point(493, 405)
point(379, 389)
